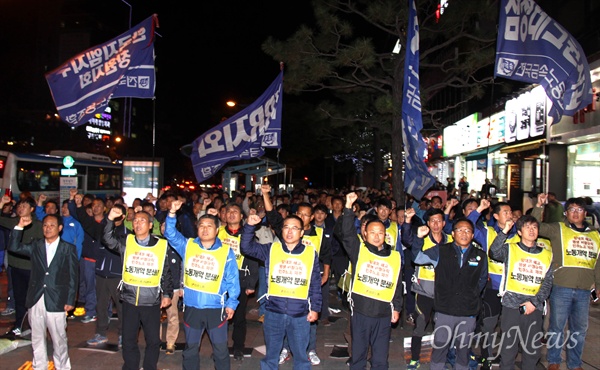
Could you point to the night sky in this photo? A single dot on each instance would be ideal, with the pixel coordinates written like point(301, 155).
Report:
point(204, 57)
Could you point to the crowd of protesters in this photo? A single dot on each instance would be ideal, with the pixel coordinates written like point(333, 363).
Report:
point(471, 265)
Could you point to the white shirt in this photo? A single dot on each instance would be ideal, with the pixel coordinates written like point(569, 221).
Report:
point(51, 250)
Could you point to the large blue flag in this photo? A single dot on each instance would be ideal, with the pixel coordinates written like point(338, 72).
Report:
point(534, 48)
point(120, 68)
point(243, 136)
point(417, 179)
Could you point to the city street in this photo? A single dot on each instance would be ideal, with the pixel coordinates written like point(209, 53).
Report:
point(327, 338)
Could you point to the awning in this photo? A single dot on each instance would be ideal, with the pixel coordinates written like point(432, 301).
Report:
point(530, 145)
point(482, 153)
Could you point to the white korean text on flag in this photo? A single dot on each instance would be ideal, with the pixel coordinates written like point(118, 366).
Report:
point(533, 48)
point(243, 136)
point(120, 68)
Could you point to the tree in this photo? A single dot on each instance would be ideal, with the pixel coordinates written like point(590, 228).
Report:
point(348, 51)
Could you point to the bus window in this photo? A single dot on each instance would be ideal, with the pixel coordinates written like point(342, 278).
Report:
point(103, 179)
point(36, 176)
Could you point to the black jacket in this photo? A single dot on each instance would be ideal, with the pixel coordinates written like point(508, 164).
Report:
point(93, 231)
point(109, 264)
point(135, 295)
point(57, 282)
point(365, 305)
point(458, 289)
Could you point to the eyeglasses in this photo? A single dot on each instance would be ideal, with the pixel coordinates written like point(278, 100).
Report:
point(292, 228)
point(575, 210)
point(464, 231)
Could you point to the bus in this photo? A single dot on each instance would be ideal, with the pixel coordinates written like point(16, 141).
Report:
point(41, 174)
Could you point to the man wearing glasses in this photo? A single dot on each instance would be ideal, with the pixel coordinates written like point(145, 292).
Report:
point(424, 275)
point(293, 298)
point(575, 263)
point(485, 233)
point(311, 236)
point(146, 285)
point(461, 273)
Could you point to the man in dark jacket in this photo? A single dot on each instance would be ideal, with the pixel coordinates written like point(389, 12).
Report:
point(526, 286)
point(52, 289)
point(375, 296)
point(19, 266)
point(460, 277)
point(230, 234)
point(109, 269)
point(293, 290)
point(312, 236)
point(93, 225)
point(146, 288)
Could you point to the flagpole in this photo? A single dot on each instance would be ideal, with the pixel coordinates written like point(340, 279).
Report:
point(153, 144)
point(487, 151)
point(128, 101)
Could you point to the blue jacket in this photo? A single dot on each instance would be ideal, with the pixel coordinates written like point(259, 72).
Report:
point(72, 231)
point(289, 306)
point(230, 285)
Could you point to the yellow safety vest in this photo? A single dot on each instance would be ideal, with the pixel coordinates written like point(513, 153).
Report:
point(579, 249)
point(544, 243)
point(232, 242)
point(314, 240)
point(391, 234)
point(427, 272)
point(290, 274)
point(143, 265)
point(495, 268)
point(204, 268)
point(376, 276)
point(526, 271)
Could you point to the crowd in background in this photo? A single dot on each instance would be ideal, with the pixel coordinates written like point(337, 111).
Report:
point(411, 229)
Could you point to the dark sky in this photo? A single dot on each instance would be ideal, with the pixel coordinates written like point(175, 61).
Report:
point(208, 56)
point(207, 52)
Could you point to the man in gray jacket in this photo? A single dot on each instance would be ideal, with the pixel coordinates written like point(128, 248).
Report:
point(526, 286)
point(146, 288)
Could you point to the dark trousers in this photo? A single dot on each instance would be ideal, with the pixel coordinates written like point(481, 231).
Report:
point(238, 334)
point(134, 317)
point(374, 332)
point(196, 321)
point(520, 332)
point(409, 300)
point(490, 312)
point(424, 312)
point(325, 305)
point(20, 281)
point(87, 285)
point(107, 288)
point(451, 332)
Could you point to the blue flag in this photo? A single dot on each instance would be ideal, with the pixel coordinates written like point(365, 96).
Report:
point(243, 136)
point(417, 179)
point(122, 67)
point(534, 48)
